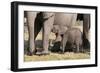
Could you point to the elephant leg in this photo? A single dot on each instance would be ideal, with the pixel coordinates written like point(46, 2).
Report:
point(77, 47)
point(63, 43)
point(58, 38)
point(31, 20)
point(47, 26)
point(86, 29)
point(86, 25)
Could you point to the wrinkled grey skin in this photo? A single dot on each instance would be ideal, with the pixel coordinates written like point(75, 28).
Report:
point(73, 37)
point(49, 19)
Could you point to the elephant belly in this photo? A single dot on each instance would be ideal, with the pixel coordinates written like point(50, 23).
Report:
point(63, 19)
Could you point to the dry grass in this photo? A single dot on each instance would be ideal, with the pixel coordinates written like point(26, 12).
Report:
point(56, 56)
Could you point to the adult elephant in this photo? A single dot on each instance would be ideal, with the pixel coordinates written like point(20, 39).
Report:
point(36, 20)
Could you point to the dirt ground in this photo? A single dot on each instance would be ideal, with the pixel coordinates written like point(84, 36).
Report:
point(57, 56)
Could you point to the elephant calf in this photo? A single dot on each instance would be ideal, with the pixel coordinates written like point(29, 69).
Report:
point(72, 37)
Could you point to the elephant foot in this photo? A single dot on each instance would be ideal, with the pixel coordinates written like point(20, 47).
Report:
point(45, 52)
point(61, 52)
point(76, 51)
point(38, 53)
point(82, 50)
point(31, 53)
point(42, 53)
